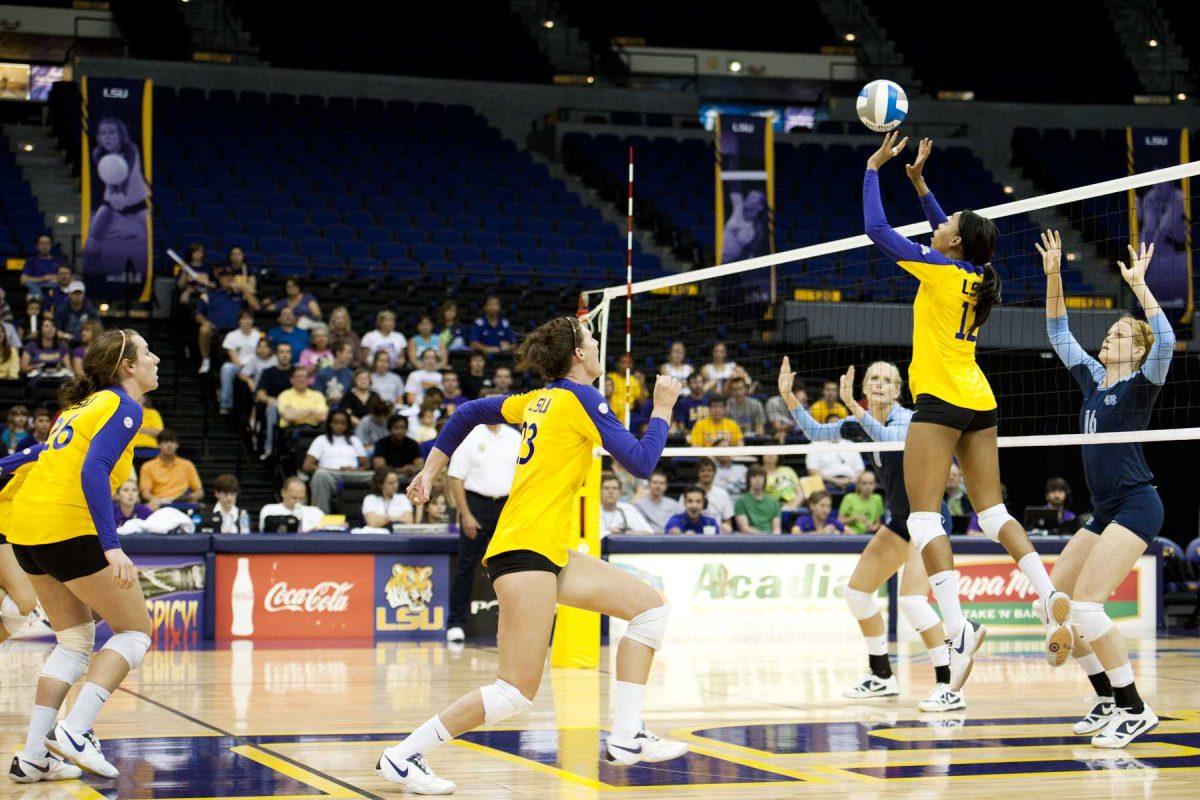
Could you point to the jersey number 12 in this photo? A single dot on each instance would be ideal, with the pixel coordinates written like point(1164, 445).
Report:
point(962, 324)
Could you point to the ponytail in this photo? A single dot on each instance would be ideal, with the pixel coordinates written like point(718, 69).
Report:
point(989, 296)
point(101, 366)
point(549, 351)
point(978, 236)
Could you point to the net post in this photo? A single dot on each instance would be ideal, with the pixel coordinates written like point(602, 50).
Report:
point(577, 632)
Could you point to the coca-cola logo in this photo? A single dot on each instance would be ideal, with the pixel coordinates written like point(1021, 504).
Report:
point(325, 597)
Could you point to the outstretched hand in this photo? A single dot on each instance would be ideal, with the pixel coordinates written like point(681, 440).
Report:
point(1139, 262)
point(1051, 252)
point(916, 168)
point(846, 389)
point(892, 146)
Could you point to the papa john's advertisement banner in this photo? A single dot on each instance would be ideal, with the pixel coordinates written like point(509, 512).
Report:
point(1162, 215)
point(117, 230)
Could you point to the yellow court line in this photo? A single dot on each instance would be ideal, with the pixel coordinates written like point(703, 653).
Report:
point(293, 771)
point(689, 735)
point(80, 790)
point(1006, 755)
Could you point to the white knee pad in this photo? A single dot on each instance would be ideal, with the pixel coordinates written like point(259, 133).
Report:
point(649, 627)
point(924, 527)
point(129, 645)
point(69, 660)
point(1090, 619)
point(991, 520)
point(918, 612)
point(862, 605)
point(503, 700)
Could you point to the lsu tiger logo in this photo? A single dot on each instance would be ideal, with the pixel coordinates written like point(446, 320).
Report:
point(410, 588)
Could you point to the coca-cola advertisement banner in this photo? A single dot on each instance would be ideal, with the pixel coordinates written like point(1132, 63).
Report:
point(412, 596)
point(323, 596)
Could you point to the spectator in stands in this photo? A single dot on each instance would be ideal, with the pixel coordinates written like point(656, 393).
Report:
point(287, 331)
point(317, 355)
point(426, 339)
point(746, 411)
point(342, 332)
point(71, 315)
point(87, 334)
point(384, 382)
point(1058, 492)
point(720, 504)
point(39, 430)
point(126, 505)
point(656, 507)
point(780, 422)
point(244, 278)
point(693, 519)
point(10, 360)
point(731, 476)
point(226, 488)
point(677, 367)
point(426, 377)
point(6, 314)
point(145, 443)
point(168, 477)
point(757, 511)
point(300, 405)
point(454, 335)
point(956, 493)
point(718, 372)
point(374, 426)
point(219, 312)
point(335, 458)
point(454, 395)
point(491, 333)
point(716, 430)
point(189, 287)
point(292, 496)
point(335, 380)
point(690, 408)
point(861, 511)
point(358, 401)
point(57, 293)
point(818, 519)
point(782, 482)
point(435, 512)
point(385, 338)
point(16, 428)
point(397, 450)
point(31, 321)
point(47, 355)
point(240, 345)
point(636, 389)
point(302, 304)
point(838, 468)
point(40, 268)
point(262, 360)
point(633, 488)
point(502, 380)
point(386, 504)
point(617, 516)
point(424, 427)
point(476, 376)
point(273, 382)
point(829, 408)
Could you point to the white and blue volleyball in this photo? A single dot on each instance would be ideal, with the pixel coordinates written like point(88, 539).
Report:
point(882, 106)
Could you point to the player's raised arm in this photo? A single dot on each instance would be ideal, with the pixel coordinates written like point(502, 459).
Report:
point(637, 456)
point(916, 174)
point(1058, 330)
point(815, 431)
point(1159, 359)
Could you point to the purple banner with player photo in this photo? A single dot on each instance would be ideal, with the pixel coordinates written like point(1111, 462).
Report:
point(1161, 215)
point(116, 179)
point(745, 213)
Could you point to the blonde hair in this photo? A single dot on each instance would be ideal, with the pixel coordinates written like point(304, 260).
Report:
point(889, 367)
point(1143, 337)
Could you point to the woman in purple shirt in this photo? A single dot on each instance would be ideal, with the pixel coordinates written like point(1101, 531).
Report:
point(46, 353)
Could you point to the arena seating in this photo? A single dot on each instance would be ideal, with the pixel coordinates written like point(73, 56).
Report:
point(20, 218)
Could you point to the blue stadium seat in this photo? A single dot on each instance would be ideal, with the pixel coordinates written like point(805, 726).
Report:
point(289, 266)
point(324, 217)
point(428, 252)
point(339, 231)
point(304, 230)
point(359, 218)
point(353, 248)
point(463, 253)
point(274, 246)
point(483, 239)
point(389, 251)
point(316, 249)
point(535, 256)
point(446, 237)
point(262, 230)
point(288, 216)
point(375, 235)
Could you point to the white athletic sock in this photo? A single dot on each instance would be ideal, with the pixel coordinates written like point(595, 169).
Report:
point(877, 645)
point(1032, 567)
point(940, 656)
point(1121, 676)
point(1090, 664)
point(945, 591)
point(41, 722)
point(627, 709)
point(428, 737)
point(82, 716)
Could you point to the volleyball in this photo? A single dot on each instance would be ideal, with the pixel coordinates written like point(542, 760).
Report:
point(112, 168)
point(882, 105)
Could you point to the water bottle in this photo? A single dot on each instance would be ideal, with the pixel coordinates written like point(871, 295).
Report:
point(244, 522)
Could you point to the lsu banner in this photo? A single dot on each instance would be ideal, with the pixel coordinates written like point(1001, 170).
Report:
point(116, 178)
point(745, 188)
point(1161, 215)
point(412, 596)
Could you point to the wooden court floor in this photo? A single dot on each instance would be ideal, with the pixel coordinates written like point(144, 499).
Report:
point(764, 722)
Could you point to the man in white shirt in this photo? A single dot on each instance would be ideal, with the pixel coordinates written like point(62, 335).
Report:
point(239, 345)
point(731, 476)
point(655, 506)
point(837, 468)
point(720, 504)
point(424, 378)
point(616, 516)
point(479, 477)
point(385, 337)
point(226, 488)
point(292, 496)
point(335, 457)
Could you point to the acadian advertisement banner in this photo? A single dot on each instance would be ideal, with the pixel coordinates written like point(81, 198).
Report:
point(748, 597)
point(995, 593)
